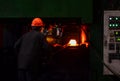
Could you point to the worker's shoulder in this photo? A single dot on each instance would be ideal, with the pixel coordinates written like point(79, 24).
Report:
point(33, 34)
point(38, 34)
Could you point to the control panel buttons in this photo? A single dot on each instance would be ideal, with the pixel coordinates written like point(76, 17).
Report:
point(117, 33)
point(117, 39)
point(111, 46)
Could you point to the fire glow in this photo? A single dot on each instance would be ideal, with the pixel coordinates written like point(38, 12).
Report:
point(83, 38)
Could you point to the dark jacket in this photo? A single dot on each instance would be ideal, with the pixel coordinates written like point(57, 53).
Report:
point(30, 48)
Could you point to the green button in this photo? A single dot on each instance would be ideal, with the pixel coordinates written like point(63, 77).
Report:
point(116, 18)
point(116, 24)
point(110, 25)
point(113, 24)
point(116, 33)
point(118, 39)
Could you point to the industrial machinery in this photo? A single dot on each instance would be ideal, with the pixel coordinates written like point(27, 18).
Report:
point(67, 33)
point(111, 43)
point(73, 55)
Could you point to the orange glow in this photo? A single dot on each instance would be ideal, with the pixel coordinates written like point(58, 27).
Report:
point(72, 42)
point(50, 39)
point(83, 38)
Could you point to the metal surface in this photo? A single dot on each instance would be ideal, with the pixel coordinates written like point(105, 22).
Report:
point(111, 44)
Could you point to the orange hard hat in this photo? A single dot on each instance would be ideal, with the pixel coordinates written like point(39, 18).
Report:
point(37, 22)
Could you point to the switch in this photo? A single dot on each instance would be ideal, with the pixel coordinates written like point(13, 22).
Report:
point(111, 46)
point(117, 33)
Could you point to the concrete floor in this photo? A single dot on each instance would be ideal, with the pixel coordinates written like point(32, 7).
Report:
point(67, 65)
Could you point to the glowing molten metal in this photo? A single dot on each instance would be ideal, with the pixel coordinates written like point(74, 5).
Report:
point(72, 42)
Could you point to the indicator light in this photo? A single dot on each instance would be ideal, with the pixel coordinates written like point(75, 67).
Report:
point(110, 18)
point(116, 18)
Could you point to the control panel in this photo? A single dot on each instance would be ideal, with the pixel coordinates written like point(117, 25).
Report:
point(111, 42)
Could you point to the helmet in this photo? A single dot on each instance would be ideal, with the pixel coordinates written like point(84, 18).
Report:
point(37, 22)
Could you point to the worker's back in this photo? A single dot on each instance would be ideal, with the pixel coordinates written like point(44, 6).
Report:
point(32, 46)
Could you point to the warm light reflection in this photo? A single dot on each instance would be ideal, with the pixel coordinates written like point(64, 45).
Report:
point(83, 38)
point(72, 42)
point(50, 39)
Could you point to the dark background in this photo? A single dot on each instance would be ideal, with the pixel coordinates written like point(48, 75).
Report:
point(91, 12)
point(47, 8)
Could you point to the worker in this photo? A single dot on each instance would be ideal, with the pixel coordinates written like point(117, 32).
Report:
point(30, 49)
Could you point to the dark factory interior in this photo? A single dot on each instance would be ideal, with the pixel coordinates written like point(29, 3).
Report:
point(67, 63)
point(81, 21)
